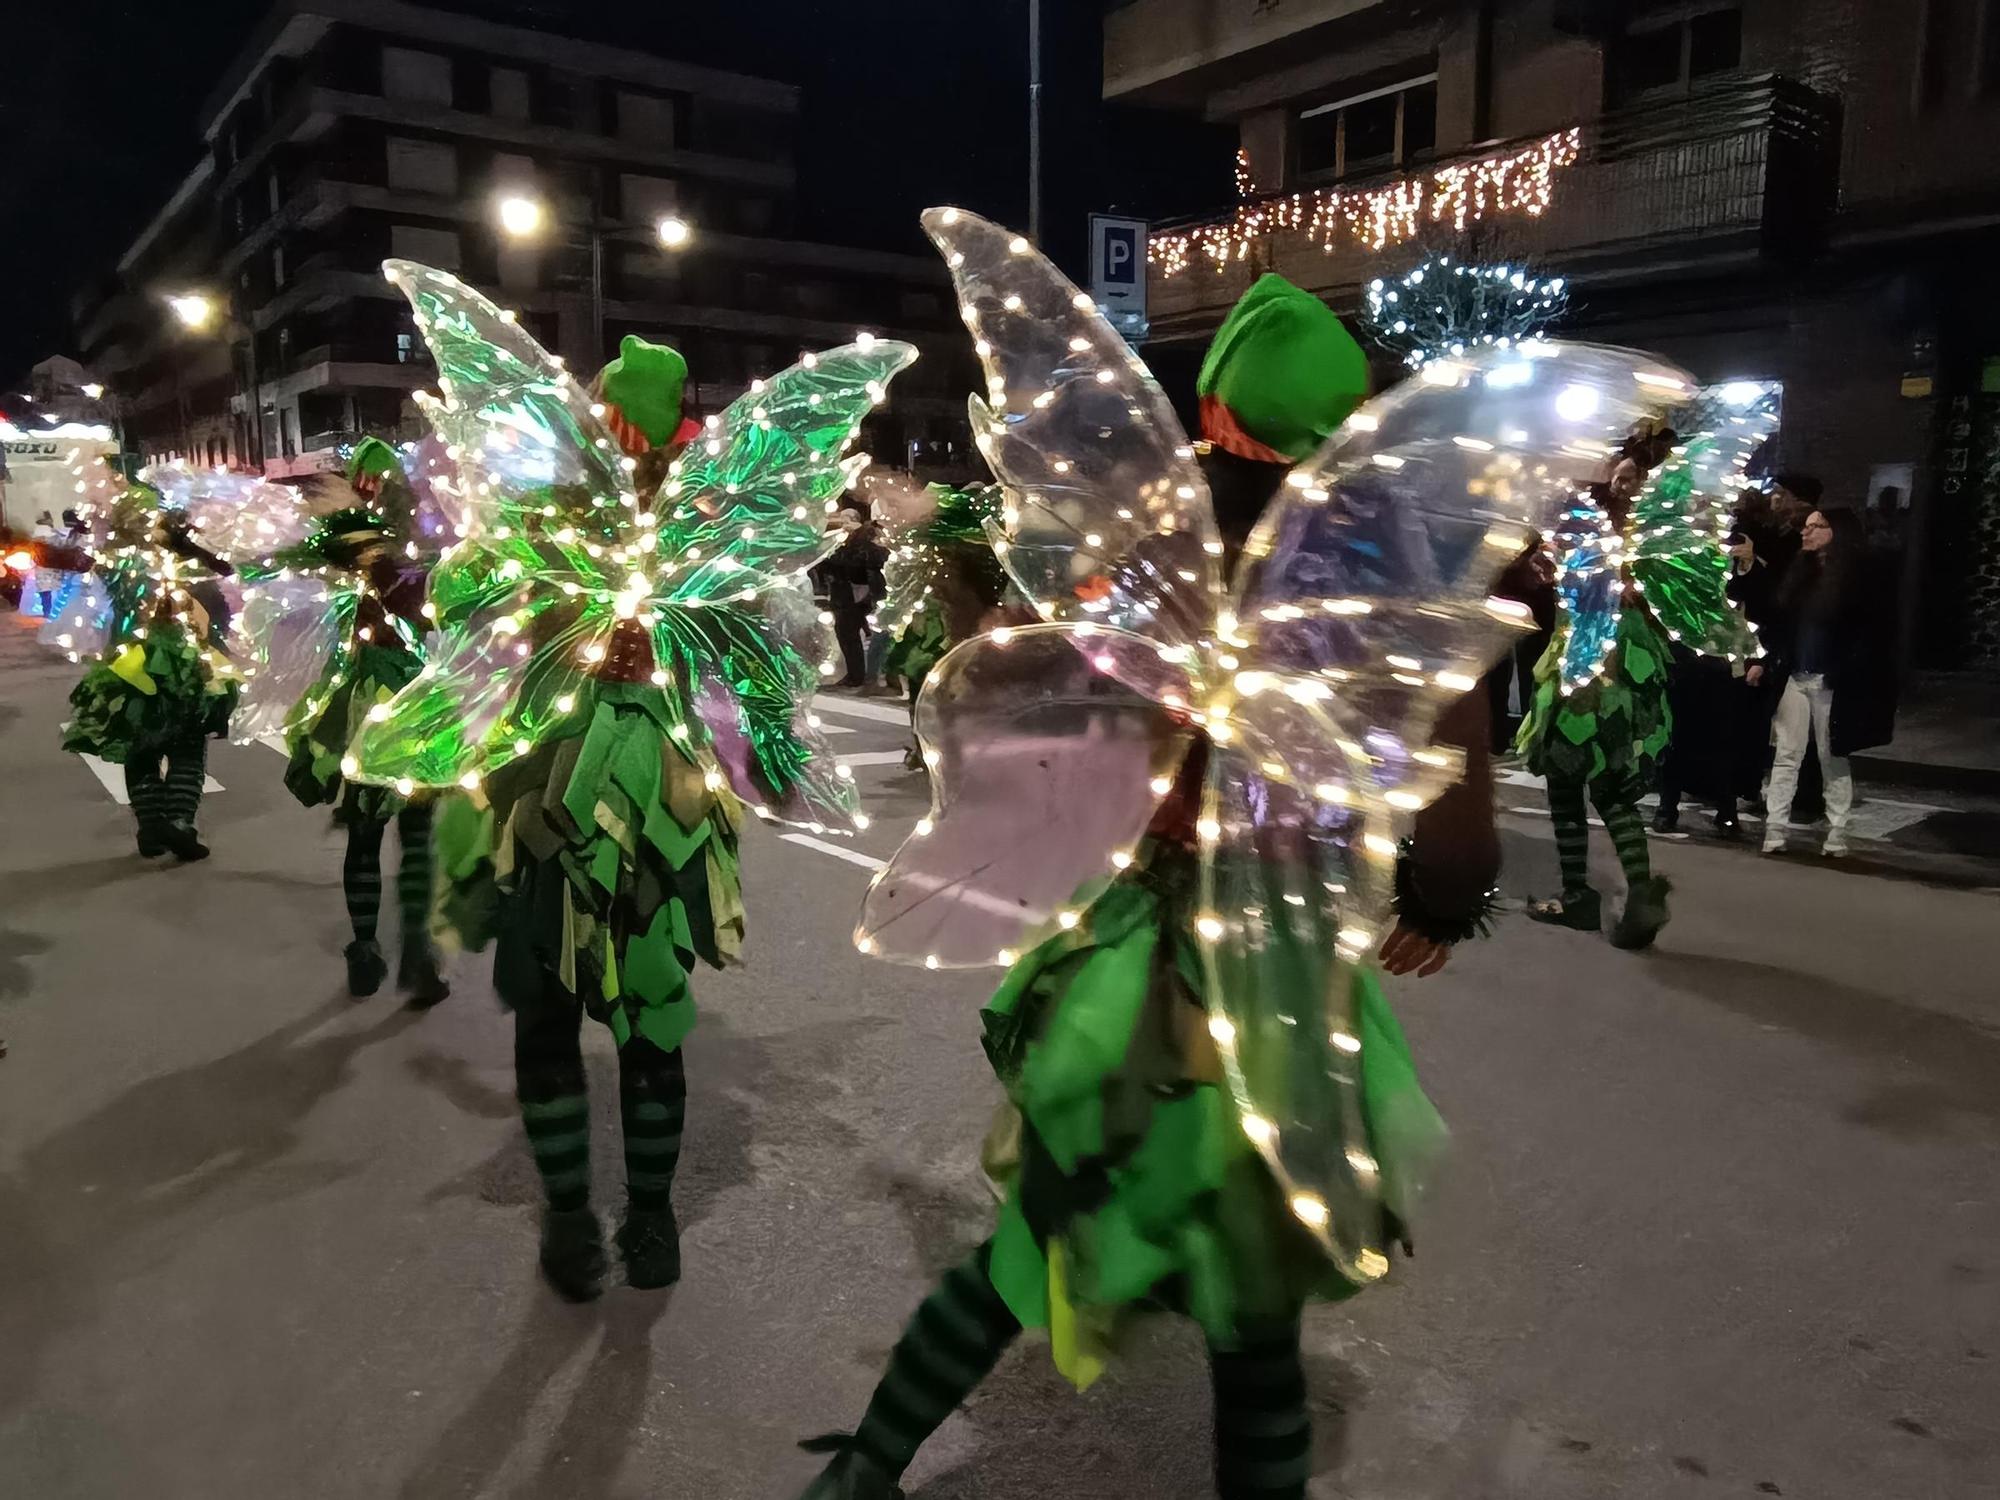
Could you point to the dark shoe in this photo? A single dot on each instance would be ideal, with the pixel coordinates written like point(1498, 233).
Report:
point(366, 968)
point(913, 758)
point(417, 976)
point(650, 1245)
point(851, 1476)
point(851, 683)
point(184, 844)
point(152, 843)
point(1582, 910)
point(1727, 827)
point(573, 1261)
point(1666, 822)
point(1644, 915)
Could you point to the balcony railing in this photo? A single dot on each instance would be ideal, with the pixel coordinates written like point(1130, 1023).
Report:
point(1744, 170)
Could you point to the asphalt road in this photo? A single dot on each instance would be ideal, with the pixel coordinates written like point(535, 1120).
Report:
point(1721, 1219)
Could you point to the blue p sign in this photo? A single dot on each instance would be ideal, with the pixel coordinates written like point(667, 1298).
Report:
point(1120, 265)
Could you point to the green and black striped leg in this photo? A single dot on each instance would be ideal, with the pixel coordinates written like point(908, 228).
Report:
point(1578, 906)
point(652, 1101)
point(361, 884)
point(1263, 1434)
point(555, 1109)
point(417, 975)
point(147, 795)
point(187, 771)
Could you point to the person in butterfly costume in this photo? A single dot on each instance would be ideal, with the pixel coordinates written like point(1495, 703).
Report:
point(345, 614)
point(164, 683)
point(1173, 809)
point(943, 581)
point(1642, 564)
point(622, 672)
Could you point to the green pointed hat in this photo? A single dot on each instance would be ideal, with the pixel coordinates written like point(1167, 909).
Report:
point(371, 459)
point(645, 383)
point(1281, 375)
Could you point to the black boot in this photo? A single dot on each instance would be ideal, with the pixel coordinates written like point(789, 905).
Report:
point(1666, 822)
point(366, 968)
point(417, 975)
point(1582, 910)
point(851, 1476)
point(152, 840)
point(573, 1261)
point(183, 843)
point(1644, 915)
point(649, 1242)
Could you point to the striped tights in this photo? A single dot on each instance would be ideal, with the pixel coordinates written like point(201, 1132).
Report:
point(1617, 801)
point(361, 872)
point(1263, 1434)
point(172, 800)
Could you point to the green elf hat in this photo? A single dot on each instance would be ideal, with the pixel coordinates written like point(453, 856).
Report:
point(641, 391)
point(371, 462)
point(1282, 374)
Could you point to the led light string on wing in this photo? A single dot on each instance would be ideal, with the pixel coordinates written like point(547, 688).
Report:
point(1520, 182)
point(1443, 308)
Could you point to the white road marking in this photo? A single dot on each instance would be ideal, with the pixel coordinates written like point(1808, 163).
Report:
point(874, 758)
point(857, 708)
point(852, 856)
point(275, 742)
point(113, 778)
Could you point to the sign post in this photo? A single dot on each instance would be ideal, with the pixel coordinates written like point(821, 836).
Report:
point(1118, 273)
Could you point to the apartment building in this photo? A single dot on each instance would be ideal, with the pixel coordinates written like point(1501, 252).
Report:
point(350, 131)
point(1789, 190)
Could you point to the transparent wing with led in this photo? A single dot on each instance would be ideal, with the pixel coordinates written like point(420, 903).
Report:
point(1049, 747)
point(513, 420)
point(1590, 587)
point(285, 638)
point(81, 629)
point(746, 504)
point(1298, 858)
point(242, 519)
point(1372, 572)
point(1680, 535)
point(1108, 517)
point(903, 510)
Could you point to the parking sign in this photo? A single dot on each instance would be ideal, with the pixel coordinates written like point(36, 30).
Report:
point(1118, 272)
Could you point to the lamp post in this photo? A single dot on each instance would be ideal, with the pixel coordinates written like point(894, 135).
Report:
point(197, 312)
point(523, 216)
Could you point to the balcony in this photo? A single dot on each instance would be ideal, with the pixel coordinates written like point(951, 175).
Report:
point(1736, 175)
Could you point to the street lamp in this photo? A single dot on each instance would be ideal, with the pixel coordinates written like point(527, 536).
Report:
point(523, 216)
point(193, 309)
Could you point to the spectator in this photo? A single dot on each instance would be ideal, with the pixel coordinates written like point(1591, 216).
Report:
point(1531, 580)
point(1833, 639)
point(48, 577)
point(854, 583)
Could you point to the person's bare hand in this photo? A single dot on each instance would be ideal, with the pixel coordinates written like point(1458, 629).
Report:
point(1407, 951)
point(1754, 673)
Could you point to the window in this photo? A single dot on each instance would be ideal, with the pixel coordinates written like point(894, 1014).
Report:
point(423, 167)
point(647, 200)
point(275, 192)
point(429, 247)
point(278, 266)
point(1663, 58)
point(646, 119)
point(1369, 132)
point(511, 99)
point(421, 77)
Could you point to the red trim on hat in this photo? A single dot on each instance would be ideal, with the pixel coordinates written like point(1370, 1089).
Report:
point(1221, 427)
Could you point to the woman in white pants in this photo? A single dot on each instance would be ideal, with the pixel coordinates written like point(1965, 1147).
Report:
point(1823, 628)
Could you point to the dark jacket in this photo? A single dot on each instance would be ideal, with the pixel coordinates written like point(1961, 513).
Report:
point(1855, 607)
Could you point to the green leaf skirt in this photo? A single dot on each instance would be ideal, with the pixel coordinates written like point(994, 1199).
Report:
point(1128, 1182)
point(146, 695)
point(319, 743)
point(602, 863)
point(1616, 725)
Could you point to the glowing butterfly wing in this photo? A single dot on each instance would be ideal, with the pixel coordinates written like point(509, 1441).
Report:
point(237, 517)
point(1373, 569)
point(748, 500)
point(745, 517)
point(286, 636)
point(1108, 517)
point(513, 420)
point(1049, 752)
point(1590, 587)
point(1363, 611)
point(1680, 532)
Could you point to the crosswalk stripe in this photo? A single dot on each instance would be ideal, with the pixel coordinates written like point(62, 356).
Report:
point(113, 778)
point(855, 708)
point(874, 758)
point(852, 856)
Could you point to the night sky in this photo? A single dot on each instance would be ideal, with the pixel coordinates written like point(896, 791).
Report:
point(907, 103)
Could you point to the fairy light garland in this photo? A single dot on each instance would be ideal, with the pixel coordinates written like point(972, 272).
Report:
point(1458, 194)
point(1442, 308)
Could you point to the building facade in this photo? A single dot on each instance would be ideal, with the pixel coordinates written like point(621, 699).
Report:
point(1784, 190)
point(351, 131)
